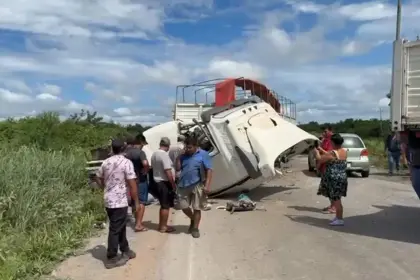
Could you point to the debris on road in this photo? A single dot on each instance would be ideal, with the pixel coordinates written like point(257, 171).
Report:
point(244, 203)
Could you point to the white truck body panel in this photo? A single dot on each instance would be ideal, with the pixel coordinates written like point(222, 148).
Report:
point(186, 112)
point(246, 142)
point(405, 90)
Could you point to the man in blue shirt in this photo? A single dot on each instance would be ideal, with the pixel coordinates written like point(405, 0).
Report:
point(194, 182)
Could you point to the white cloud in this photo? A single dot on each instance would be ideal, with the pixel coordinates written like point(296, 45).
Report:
point(76, 107)
point(81, 18)
point(47, 97)
point(51, 89)
point(13, 97)
point(230, 68)
point(384, 102)
point(123, 111)
point(75, 59)
point(373, 10)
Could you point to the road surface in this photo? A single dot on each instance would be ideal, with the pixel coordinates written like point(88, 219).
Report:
point(289, 241)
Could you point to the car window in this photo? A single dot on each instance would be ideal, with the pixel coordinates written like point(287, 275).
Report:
point(352, 142)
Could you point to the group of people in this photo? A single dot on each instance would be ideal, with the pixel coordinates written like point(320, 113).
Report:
point(331, 160)
point(179, 176)
point(406, 145)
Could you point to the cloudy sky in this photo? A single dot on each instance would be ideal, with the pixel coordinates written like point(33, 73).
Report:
point(124, 58)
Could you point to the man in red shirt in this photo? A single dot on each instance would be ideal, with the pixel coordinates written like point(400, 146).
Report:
point(326, 147)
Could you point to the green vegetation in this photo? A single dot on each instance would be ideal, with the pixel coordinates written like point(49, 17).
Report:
point(46, 207)
point(372, 132)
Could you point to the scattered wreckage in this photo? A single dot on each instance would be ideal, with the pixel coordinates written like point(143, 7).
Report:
point(246, 136)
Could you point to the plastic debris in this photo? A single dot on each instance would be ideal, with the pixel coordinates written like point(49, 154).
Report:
point(244, 203)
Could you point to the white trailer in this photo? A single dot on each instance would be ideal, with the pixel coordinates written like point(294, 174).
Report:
point(405, 86)
point(405, 91)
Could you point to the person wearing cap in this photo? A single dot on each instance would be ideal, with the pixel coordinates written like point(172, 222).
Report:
point(163, 176)
point(141, 166)
point(175, 151)
point(115, 174)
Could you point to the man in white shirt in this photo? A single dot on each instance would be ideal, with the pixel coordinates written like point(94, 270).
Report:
point(164, 182)
point(115, 175)
point(175, 151)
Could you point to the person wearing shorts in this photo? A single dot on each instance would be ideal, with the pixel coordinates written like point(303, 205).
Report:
point(164, 183)
point(141, 166)
point(194, 182)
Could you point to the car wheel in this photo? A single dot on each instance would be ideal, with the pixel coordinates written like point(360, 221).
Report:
point(365, 174)
point(310, 168)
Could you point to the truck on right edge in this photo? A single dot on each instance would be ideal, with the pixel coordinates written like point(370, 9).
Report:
point(405, 99)
point(405, 86)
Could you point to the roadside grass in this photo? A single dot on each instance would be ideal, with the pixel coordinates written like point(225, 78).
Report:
point(377, 155)
point(46, 210)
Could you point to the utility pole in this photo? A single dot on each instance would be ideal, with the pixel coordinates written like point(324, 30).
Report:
point(380, 121)
point(398, 28)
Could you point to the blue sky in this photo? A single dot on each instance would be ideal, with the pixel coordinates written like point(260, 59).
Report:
point(124, 58)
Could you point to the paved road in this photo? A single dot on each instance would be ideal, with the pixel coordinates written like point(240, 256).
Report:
point(290, 241)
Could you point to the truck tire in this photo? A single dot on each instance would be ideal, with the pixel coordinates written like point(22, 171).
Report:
point(365, 174)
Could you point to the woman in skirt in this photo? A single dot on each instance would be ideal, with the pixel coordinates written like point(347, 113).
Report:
point(334, 181)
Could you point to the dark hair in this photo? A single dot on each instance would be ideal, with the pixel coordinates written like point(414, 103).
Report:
point(337, 139)
point(191, 141)
point(130, 140)
point(117, 149)
point(141, 139)
point(329, 127)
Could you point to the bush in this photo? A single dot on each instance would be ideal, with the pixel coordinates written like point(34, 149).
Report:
point(46, 209)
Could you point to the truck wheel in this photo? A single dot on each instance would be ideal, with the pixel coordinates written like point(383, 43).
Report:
point(365, 174)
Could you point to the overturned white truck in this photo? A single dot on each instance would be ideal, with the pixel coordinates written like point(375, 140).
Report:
point(245, 137)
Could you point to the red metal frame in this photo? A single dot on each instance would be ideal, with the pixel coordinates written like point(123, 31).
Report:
point(226, 90)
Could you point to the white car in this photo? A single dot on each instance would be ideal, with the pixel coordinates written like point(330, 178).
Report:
point(357, 155)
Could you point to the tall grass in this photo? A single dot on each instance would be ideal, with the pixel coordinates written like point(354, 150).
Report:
point(377, 154)
point(46, 210)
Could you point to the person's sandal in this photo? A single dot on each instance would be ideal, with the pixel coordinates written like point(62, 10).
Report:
point(116, 261)
point(167, 230)
point(195, 233)
point(130, 254)
point(328, 210)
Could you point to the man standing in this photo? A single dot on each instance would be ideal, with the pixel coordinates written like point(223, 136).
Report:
point(148, 151)
point(175, 151)
point(194, 182)
point(141, 166)
point(393, 150)
point(164, 183)
point(114, 175)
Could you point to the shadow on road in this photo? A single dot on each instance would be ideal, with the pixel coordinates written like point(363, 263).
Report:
point(178, 228)
point(259, 194)
point(306, 209)
point(98, 252)
point(396, 222)
point(309, 173)
point(403, 174)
